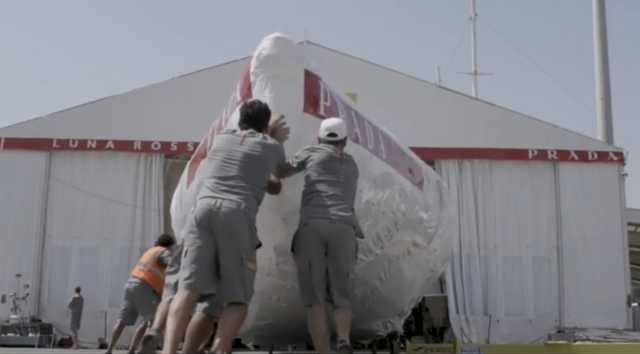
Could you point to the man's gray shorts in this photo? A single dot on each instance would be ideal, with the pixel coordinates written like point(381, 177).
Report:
point(219, 256)
point(75, 321)
point(206, 304)
point(139, 300)
point(325, 253)
point(172, 274)
point(209, 305)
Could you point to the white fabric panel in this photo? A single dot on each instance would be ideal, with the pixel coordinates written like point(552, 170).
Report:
point(104, 210)
point(594, 244)
point(23, 181)
point(503, 277)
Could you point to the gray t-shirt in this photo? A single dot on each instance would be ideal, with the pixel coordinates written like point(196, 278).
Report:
point(330, 183)
point(75, 305)
point(239, 165)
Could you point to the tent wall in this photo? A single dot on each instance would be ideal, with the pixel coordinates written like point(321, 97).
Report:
point(594, 243)
point(23, 177)
point(103, 211)
point(173, 168)
point(530, 243)
point(503, 282)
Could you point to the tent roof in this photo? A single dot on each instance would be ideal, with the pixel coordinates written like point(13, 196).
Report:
point(181, 108)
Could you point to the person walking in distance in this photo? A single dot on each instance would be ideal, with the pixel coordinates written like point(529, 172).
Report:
point(142, 291)
point(220, 237)
point(75, 306)
point(325, 244)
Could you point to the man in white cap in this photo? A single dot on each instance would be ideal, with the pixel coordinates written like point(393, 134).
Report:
point(325, 245)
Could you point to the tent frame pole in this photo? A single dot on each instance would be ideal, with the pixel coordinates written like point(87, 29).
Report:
point(42, 238)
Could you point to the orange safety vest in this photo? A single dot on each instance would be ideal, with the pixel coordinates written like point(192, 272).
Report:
point(149, 270)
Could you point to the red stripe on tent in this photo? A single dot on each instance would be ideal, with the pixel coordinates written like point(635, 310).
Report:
point(141, 146)
point(425, 153)
point(428, 154)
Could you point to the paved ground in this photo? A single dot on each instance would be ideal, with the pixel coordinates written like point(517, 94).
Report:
point(39, 351)
point(96, 351)
point(69, 351)
point(89, 351)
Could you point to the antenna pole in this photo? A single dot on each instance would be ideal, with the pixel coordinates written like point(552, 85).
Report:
point(474, 50)
point(603, 83)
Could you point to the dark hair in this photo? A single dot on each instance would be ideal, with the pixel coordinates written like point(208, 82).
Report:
point(78, 289)
point(337, 143)
point(254, 114)
point(165, 240)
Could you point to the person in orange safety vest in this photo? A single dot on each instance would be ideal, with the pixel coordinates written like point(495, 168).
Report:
point(142, 291)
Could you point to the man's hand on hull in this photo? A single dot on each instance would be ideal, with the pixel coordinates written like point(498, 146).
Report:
point(279, 130)
point(274, 185)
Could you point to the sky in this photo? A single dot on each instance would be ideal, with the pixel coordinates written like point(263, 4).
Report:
point(57, 54)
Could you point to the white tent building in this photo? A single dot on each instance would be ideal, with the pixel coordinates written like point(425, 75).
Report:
point(540, 243)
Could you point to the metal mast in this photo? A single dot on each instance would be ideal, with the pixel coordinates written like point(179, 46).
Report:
point(474, 50)
point(603, 84)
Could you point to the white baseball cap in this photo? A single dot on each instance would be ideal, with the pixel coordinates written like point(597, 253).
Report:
point(332, 129)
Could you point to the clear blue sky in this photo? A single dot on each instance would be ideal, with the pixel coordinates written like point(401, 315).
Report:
point(55, 54)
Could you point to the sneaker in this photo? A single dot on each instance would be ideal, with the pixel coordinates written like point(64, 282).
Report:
point(149, 344)
point(344, 347)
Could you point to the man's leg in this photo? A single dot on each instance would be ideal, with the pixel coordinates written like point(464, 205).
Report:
point(115, 335)
point(318, 325)
point(150, 339)
point(231, 320)
point(209, 337)
point(197, 273)
point(343, 324)
point(236, 242)
point(160, 318)
point(311, 263)
point(138, 336)
point(76, 344)
point(128, 314)
point(342, 255)
point(179, 314)
point(198, 331)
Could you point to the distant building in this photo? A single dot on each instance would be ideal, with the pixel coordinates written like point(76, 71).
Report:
point(633, 229)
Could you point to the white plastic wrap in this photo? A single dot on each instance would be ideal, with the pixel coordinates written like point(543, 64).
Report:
point(401, 204)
